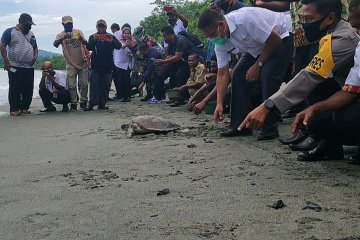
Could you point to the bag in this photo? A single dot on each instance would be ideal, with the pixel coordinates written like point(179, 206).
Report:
point(192, 38)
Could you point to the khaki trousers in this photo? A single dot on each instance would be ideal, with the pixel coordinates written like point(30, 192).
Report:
point(72, 75)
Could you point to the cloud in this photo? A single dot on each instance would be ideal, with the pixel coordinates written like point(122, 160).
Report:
point(47, 15)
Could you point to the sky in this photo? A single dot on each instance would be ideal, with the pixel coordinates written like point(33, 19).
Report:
point(47, 15)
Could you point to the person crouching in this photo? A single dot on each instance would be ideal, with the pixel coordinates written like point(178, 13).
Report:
point(53, 88)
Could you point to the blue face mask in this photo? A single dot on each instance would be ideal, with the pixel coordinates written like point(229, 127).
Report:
point(68, 27)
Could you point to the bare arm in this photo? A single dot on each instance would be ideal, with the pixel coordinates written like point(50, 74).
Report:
point(176, 58)
point(199, 93)
point(276, 6)
point(58, 41)
point(7, 65)
point(222, 82)
point(272, 44)
point(184, 20)
point(35, 56)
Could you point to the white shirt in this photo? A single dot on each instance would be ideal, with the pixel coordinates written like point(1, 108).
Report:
point(352, 83)
point(249, 29)
point(179, 27)
point(121, 57)
point(60, 78)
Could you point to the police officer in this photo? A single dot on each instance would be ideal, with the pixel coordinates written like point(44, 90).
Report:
point(326, 73)
point(343, 125)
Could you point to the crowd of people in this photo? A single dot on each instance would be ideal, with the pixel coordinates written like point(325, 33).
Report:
point(264, 62)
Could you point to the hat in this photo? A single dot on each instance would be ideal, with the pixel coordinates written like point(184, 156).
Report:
point(67, 19)
point(26, 18)
point(101, 21)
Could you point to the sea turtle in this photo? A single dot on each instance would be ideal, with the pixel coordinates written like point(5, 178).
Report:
point(148, 124)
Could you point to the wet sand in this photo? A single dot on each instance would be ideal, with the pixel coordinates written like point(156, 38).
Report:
point(77, 176)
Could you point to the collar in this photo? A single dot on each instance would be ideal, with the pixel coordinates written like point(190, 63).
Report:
point(231, 24)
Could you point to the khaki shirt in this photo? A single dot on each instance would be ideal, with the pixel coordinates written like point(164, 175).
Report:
point(334, 60)
point(73, 50)
point(197, 75)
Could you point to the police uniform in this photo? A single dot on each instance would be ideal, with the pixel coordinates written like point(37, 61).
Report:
point(343, 126)
point(333, 61)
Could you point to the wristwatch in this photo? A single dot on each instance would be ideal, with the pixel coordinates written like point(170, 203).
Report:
point(260, 64)
point(269, 104)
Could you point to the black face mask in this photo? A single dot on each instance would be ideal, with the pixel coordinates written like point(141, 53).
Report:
point(25, 28)
point(312, 30)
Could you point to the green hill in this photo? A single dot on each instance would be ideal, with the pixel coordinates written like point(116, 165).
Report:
point(56, 58)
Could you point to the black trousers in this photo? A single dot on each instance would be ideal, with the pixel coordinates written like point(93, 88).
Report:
point(341, 127)
point(245, 96)
point(63, 97)
point(179, 73)
point(155, 87)
point(99, 87)
point(21, 87)
point(124, 82)
point(114, 79)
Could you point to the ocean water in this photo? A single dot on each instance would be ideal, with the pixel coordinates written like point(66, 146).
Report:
point(4, 85)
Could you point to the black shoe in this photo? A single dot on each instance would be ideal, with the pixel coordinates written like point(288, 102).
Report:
point(126, 100)
point(307, 144)
point(65, 108)
point(234, 132)
point(83, 105)
point(294, 139)
point(88, 108)
point(103, 108)
point(110, 99)
point(322, 152)
point(268, 137)
point(73, 107)
point(50, 109)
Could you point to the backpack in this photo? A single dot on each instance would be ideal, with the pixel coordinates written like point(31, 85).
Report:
point(192, 38)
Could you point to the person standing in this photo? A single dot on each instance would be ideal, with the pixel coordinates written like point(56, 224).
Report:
point(102, 45)
point(123, 60)
point(73, 45)
point(19, 61)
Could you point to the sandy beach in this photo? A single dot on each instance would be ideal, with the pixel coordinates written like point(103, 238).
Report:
point(78, 176)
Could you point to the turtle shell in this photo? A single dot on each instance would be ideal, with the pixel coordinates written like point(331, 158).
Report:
point(153, 123)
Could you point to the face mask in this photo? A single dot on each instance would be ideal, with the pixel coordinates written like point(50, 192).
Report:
point(68, 27)
point(312, 30)
point(25, 28)
point(172, 21)
point(218, 41)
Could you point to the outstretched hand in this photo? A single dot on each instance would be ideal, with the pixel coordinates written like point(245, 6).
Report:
point(302, 119)
point(255, 119)
point(218, 114)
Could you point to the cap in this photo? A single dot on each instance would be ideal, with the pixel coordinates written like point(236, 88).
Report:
point(67, 19)
point(101, 21)
point(26, 18)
